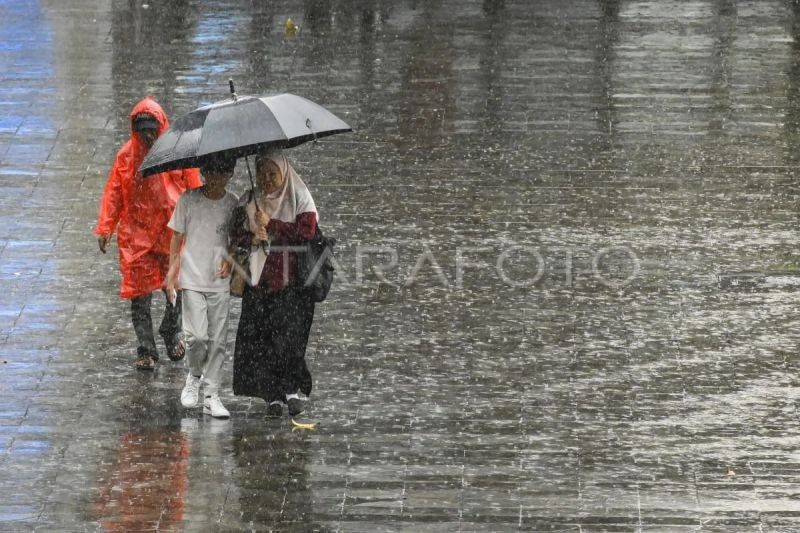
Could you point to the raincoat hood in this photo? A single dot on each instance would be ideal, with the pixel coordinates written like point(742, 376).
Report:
point(150, 106)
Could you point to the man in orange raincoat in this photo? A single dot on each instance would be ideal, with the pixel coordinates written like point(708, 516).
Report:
point(138, 209)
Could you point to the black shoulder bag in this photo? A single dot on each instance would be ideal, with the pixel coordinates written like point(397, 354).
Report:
point(315, 266)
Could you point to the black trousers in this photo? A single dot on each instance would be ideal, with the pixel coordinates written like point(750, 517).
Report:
point(269, 361)
point(143, 324)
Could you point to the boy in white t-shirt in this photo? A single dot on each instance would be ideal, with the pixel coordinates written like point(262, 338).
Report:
point(200, 224)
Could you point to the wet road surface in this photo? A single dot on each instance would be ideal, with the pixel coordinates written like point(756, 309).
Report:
point(567, 269)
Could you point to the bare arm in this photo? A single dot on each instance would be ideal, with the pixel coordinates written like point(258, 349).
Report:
point(174, 261)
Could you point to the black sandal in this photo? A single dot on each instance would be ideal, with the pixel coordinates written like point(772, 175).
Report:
point(176, 350)
point(145, 362)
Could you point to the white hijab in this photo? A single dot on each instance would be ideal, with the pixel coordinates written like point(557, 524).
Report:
point(285, 204)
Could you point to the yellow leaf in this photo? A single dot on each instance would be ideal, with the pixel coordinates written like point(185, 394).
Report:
point(304, 425)
point(291, 28)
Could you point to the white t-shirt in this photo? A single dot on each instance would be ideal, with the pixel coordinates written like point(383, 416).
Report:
point(204, 222)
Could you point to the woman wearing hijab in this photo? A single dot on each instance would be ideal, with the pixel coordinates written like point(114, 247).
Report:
point(277, 311)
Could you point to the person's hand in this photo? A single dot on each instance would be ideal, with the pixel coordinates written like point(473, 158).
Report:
point(262, 219)
point(261, 234)
point(102, 242)
point(172, 289)
point(224, 269)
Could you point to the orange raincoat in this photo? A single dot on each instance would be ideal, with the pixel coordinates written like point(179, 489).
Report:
point(139, 209)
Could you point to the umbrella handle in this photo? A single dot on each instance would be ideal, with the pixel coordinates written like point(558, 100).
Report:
point(252, 183)
point(264, 245)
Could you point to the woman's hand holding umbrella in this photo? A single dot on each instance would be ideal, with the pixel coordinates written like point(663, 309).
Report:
point(262, 219)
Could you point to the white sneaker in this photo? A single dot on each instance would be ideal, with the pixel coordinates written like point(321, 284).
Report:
point(191, 391)
point(213, 406)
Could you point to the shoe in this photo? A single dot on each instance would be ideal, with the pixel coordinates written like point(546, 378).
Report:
point(274, 410)
point(191, 391)
point(296, 406)
point(213, 406)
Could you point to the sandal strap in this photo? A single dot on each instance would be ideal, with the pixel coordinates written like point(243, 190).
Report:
point(176, 351)
point(145, 361)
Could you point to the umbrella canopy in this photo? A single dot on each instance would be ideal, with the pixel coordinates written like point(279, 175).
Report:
point(240, 126)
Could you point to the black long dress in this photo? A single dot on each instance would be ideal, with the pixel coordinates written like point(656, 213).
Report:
point(269, 358)
point(269, 361)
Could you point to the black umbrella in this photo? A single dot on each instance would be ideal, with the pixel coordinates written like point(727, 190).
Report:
point(240, 126)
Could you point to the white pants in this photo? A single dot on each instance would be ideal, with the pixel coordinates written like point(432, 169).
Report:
point(205, 330)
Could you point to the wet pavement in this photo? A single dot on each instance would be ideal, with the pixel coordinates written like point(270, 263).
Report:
point(567, 269)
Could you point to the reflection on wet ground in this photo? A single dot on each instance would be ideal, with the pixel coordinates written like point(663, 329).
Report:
point(145, 486)
point(567, 268)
